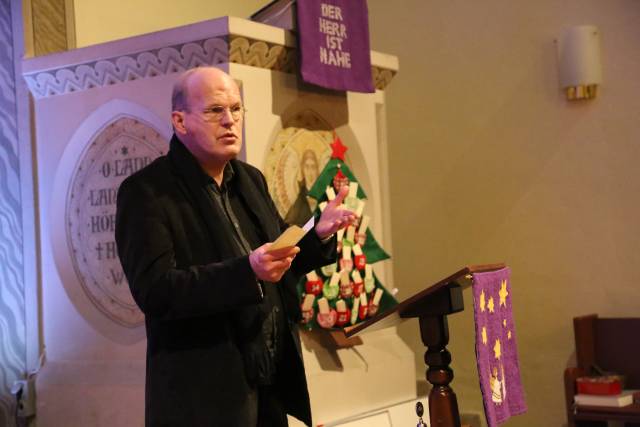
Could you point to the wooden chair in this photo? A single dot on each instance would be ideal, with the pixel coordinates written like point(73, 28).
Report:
point(612, 345)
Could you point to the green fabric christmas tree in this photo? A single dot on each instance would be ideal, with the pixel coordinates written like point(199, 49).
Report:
point(346, 292)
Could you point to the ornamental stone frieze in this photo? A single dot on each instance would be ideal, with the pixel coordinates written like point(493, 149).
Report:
point(381, 77)
point(257, 53)
point(124, 68)
point(239, 41)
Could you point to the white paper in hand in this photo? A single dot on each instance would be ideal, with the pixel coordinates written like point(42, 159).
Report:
point(292, 236)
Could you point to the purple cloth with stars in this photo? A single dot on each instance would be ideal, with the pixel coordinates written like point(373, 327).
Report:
point(334, 44)
point(496, 352)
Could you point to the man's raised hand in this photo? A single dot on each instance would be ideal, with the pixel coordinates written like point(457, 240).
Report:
point(335, 216)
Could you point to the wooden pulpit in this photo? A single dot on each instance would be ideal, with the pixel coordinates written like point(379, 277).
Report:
point(432, 306)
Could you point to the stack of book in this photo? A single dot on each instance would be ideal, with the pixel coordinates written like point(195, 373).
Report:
point(603, 391)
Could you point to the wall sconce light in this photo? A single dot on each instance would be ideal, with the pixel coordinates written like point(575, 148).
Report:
point(579, 61)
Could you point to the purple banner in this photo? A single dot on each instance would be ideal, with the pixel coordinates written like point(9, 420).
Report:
point(334, 44)
point(496, 350)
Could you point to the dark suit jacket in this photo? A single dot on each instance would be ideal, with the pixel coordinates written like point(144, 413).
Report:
point(202, 303)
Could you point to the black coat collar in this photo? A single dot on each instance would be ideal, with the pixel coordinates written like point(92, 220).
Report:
point(247, 182)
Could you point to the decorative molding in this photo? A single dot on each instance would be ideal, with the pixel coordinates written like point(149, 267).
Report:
point(381, 77)
point(109, 71)
point(12, 287)
point(172, 59)
point(257, 53)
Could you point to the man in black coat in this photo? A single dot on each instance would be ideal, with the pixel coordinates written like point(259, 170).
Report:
point(193, 231)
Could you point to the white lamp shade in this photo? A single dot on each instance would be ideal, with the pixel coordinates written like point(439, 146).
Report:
point(579, 56)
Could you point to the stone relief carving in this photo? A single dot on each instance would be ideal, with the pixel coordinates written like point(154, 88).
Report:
point(115, 152)
point(261, 54)
point(110, 71)
point(381, 77)
point(172, 59)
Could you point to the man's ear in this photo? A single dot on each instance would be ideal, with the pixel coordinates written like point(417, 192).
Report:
point(177, 120)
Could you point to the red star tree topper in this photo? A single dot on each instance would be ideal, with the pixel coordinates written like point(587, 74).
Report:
point(338, 148)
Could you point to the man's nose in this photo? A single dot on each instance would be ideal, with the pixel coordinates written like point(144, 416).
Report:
point(227, 118)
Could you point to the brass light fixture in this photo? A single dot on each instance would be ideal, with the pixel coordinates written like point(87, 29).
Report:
point(579, 61)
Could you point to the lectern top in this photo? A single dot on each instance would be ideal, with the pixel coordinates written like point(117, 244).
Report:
point(394, 315)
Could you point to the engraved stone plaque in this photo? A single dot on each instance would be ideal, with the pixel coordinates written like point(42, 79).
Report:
point(119, 149)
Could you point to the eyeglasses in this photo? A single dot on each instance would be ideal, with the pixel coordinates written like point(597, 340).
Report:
point(217, 112)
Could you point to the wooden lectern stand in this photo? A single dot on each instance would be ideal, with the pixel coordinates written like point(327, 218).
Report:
point(431, 306)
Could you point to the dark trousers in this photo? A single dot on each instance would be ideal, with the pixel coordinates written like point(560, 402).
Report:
point(270, 410)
